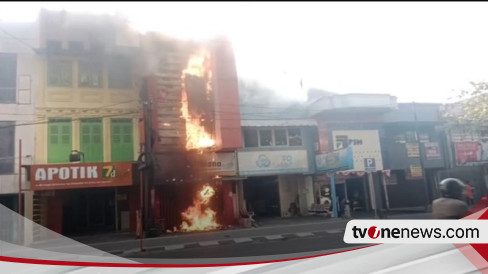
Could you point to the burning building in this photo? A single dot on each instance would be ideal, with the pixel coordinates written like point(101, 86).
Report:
point(194, 132)
point(146, 114)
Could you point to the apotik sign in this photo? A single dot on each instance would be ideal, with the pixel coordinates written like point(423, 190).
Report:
point(85, 175)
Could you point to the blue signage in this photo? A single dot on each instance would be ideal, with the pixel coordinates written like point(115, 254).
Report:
point(336, 160)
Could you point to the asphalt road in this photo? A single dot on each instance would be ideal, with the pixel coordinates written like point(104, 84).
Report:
point(278, 247)
point(169, 239)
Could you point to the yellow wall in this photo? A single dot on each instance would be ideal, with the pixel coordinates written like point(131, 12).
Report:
point(75, 103)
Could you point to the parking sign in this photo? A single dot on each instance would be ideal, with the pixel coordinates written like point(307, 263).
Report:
point(369, 165)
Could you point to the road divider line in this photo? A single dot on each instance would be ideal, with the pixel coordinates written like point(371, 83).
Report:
point(274, 237)
point(243, 240)
point(174, 247)
point(208, 243)
point(304, 234)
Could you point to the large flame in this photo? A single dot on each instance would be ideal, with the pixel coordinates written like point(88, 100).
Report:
point(196, 135)
point(199, 217)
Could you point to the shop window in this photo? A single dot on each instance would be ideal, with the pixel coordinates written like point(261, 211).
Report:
point(272, 137)
point(122, 145)
point(280, 137)
point(251, 138)
point(59, 73)
point(90, 74)
point(91, 141)
point(119, 73)
point(265, 137)
point(59, 140)
point(294, 137)
point(8, 78)
point(7, 147)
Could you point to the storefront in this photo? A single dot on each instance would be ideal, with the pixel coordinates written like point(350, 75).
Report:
point(179, 179)
point(84, 197)
point(279, 182)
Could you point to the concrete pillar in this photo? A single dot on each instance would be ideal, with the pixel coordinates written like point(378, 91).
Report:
point(240, 196)
point(385, 188)
point(29, 215)
point(107, 141)
point(306, 192)
point(371, 191)
point(76, 134)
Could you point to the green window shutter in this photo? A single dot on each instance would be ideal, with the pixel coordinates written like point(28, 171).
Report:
point(91, 140)
point(59, 144)
point(122, 140)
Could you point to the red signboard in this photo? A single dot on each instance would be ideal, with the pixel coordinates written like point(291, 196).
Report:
point(468, 152)
point(84, 175)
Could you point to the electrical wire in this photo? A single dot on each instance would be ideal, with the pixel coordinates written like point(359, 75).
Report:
point(18, 39)
point(71, 119)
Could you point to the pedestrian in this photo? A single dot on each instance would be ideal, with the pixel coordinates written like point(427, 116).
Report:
point(347, 210)
point(468, 194)
point(451, 204)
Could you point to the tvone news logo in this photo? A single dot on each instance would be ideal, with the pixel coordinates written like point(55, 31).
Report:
point(416, 231)
point(373, 232)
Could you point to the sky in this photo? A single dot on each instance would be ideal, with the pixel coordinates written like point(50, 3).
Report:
point(416, 51)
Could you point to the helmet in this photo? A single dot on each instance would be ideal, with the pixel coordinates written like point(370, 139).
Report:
point(452, 188)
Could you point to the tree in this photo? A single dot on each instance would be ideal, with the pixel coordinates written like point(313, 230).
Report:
point(472, 106)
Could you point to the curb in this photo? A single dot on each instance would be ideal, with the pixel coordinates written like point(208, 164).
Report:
point(255, 239)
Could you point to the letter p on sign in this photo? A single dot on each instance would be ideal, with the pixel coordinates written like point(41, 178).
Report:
point(369, 164)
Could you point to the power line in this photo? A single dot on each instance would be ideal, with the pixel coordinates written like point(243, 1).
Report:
point(41, 121)
point(78, 110)
point(17, 39)
point(71, 119)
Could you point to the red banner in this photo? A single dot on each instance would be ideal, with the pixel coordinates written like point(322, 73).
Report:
point(467, 152)
point(84, 175)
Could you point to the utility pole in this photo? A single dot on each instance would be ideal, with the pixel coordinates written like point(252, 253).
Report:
point(147, 155)
point(20, 207)
point(149, 216)
point(421, 157)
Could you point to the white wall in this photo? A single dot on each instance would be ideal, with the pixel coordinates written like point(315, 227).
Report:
point(27, 85)
point(306, 194)
point(288, 188)
point(292, 185)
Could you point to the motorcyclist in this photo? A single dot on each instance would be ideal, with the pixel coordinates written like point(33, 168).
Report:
point(451, 204)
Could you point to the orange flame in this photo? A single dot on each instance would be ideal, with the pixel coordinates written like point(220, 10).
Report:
point(196, 218)
point(196, 135)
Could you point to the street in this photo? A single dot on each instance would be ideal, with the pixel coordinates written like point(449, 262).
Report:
point(279, 237)
point(284, 246)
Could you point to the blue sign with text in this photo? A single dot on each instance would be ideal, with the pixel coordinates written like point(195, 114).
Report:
point(336, 160)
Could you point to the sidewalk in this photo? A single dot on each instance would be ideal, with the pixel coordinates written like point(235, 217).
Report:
point(271, 229)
